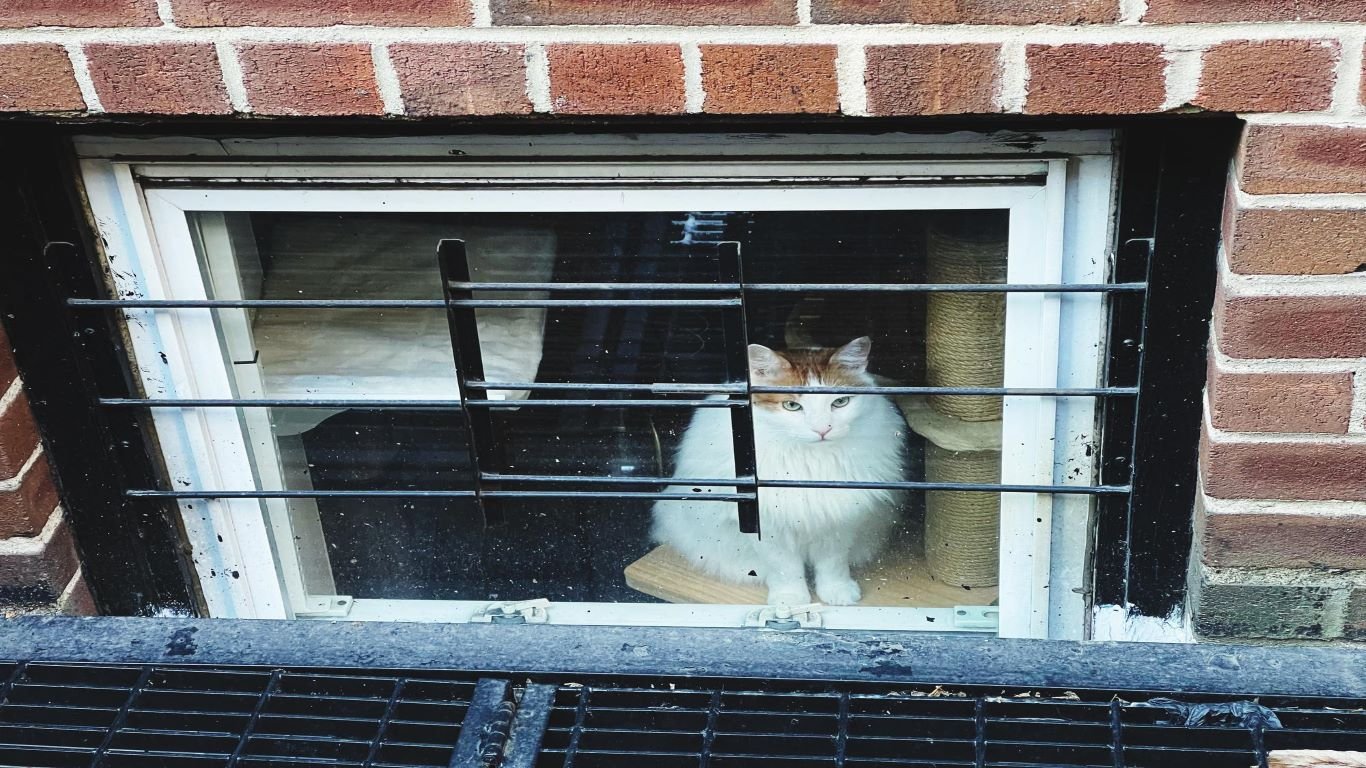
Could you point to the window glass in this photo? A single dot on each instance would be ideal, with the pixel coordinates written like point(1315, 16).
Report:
point(576, 501)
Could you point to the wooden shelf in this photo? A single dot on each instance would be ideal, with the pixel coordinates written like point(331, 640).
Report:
point(899, 579)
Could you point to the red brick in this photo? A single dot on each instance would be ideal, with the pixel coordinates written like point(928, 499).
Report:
point(1284, 470)
point(616, 79)
point(1326, 241)
point(46, 572)
point(1169, 11)
point(964, 11)
point(78, 601)
point(1281, 402)
point(1271, 540)
point(25, 510)
point(1268, 76)
point(769, 79)
point(85, 13)
point(462, 79)
point(691, 12)
point(1291, 326)
point(37, 78)
point(1122, 78)
point(319, 13)
point(932, 79)
point(1292, 159)
point(8, 370)
point(307, 79)
point(18, 436)
point(158, 79)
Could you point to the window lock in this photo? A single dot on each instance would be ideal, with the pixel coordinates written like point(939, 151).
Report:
point(785, 618)
point(522, 612)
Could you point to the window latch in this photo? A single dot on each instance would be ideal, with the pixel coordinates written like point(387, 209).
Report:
point(325, 607)
point(786, 617)
point(521, 612)
point(976, 616)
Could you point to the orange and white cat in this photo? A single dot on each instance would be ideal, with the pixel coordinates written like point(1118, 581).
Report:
point(796, 437)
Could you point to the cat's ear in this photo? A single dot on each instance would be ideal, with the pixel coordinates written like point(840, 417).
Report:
point(854, 355)
point(764, 363)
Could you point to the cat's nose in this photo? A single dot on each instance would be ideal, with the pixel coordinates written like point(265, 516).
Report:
point(822, 432)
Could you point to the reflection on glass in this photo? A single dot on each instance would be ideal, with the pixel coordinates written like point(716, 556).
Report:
point(841, 546)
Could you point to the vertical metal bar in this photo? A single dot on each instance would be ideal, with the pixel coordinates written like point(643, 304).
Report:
point(1259, 744)
point(255, 715)
point(842, 731)
point(1116, 735)
point(709, 730)
point(469, 361)
point(384, 722)
point(571, 750)
point(979, 740)
point(121, 717)
point(736, 329)
point(528, 727)
point(1148, 244)
point(485, 706)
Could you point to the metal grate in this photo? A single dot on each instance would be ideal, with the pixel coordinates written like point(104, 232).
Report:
point(58, 715)
point(776, 728)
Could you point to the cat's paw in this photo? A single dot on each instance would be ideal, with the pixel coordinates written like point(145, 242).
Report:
point(839, 592)
point(789, 594)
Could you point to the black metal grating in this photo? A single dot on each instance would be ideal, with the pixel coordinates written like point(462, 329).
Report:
point(59, 715)
point(672, 727)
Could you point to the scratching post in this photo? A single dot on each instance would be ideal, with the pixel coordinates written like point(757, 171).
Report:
point(964, 347)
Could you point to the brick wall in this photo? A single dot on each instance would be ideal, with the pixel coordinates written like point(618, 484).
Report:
point(39, 571)
point(1282, 521)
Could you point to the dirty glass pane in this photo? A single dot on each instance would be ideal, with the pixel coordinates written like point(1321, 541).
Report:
point(569, 509)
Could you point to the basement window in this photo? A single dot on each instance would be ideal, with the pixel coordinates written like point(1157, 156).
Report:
point(590, 380)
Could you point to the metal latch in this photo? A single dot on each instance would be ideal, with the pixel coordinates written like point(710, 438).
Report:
point(521, 612)
point(325, 607)
point(976, 616)
point(785, 617)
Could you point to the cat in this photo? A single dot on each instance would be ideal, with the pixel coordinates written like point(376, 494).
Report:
point(796, 437)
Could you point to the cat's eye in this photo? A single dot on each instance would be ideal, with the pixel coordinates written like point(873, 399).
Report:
point(839, 402)
point(791, 405)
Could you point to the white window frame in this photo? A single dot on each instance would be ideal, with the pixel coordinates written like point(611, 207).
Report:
point(1060, 232)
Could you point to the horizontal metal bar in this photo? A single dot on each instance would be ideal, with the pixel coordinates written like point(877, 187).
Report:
point(600, 403)
point(689, 287)
point(510, 303)
point(816, 287)
point(984, 391)
point(616, 480)
point(135, 402)
point(947, 287)
point(659, 388)
point(260, 303)
point(1075, 490)
point(572, 303)
point(147, 493)
point(126, 402)
point(752, 482)
point(661, 496)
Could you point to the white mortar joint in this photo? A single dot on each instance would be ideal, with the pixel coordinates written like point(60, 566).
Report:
point(386, 79)
point(851, 65)
point(80, 67)
point(538, 77)
point(694, 94)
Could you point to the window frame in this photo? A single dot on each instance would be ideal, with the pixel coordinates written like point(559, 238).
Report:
point(118, 182)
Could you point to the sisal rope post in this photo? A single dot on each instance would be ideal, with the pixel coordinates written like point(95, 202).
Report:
point(964, 347)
